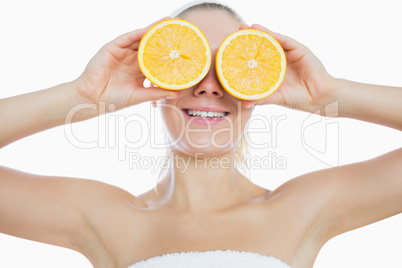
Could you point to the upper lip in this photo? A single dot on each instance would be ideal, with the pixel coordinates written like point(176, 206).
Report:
point(206, 108)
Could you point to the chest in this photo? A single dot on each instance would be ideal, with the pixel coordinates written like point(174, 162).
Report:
point(267, 231)
point(251, 231)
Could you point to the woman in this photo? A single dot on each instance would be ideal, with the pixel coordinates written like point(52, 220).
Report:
point(195, 208)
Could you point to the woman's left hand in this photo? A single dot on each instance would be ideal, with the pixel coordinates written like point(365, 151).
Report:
point(307, 86)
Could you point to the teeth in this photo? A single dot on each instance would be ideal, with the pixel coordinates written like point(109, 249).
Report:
point(204, 114)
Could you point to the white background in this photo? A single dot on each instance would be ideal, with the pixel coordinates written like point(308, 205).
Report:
point(44, 43)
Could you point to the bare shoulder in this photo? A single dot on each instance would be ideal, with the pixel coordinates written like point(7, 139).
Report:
point(340, 199)
point(60, 211)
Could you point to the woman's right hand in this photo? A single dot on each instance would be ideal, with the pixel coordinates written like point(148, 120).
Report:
point(113, 75)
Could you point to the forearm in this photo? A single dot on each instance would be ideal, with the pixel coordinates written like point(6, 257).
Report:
point(371, 103)
point(23, 115)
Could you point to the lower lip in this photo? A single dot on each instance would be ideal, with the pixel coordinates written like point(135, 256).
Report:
point(204, 121)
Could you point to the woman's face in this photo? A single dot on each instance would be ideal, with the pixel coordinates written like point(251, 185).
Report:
point(192, 134)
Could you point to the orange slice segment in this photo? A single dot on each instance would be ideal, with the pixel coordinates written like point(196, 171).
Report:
point(174, 54)
point(250, 64)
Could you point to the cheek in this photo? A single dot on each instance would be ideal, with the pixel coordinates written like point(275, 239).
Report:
point(190, 138)
point(173, 119)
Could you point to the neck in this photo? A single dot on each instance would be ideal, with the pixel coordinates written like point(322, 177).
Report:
point(198, 183)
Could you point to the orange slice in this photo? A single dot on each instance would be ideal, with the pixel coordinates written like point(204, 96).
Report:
point(174, 54)
point(250, 64)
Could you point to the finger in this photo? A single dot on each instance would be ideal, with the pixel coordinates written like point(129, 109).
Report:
point(250, 103)
point(153, 94)
point(134, 45)
point(274, 98)
point(129, 38)
point(244, 26)
point(286, 42)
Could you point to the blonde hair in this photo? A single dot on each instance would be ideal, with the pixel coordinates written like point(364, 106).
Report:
point(241, 150)
point(202, 5)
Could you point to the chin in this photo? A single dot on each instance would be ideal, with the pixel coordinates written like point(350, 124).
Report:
point(205, 151)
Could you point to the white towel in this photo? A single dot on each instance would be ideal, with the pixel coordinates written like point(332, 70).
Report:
point(212, 259)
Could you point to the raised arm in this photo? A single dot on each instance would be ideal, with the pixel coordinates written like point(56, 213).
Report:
point(308, 87)
point(55, 210)
point(351, 196)
point(371, 103)
point(23, 115)
point(112, 77)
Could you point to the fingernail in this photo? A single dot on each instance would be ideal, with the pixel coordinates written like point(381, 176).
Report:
point(169, 97)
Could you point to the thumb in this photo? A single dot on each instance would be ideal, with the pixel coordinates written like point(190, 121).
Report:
point(153, 93)
point(274, 98)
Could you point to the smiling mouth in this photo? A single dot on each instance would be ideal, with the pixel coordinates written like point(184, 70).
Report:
point(205, 114)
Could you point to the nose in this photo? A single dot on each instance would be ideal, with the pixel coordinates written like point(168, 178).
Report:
point(209, 86)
